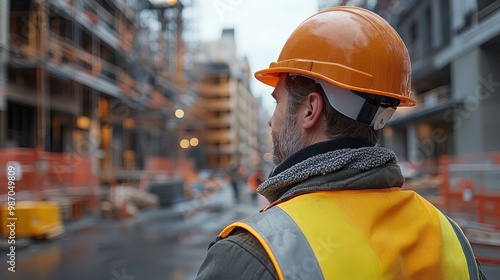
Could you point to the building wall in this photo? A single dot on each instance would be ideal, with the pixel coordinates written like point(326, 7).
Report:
point(465, 73)
point(451, 44)
point(488, 95)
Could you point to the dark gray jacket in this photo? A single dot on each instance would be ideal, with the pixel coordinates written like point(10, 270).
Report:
point(239, 256)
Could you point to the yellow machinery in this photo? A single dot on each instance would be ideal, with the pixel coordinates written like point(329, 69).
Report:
point(31, 219)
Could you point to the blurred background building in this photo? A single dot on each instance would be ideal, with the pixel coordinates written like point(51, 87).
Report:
point(453, 46)
point(227, 105)
point(95, 93)
point(73, 98)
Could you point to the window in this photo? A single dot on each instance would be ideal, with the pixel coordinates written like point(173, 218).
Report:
point(21, 126)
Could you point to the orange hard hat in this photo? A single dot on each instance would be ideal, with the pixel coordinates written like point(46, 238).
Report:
point(349, 47)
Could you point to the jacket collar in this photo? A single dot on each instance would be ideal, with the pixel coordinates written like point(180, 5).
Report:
point(317, 149)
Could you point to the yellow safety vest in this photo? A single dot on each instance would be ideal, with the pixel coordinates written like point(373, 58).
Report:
point(362, 234)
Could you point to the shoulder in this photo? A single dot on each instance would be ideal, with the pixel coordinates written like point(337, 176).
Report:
point(238, 256)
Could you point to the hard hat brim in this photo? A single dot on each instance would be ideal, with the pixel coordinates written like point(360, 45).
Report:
point(270, 77)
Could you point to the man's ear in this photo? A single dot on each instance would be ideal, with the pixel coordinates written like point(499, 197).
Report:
point(313, 109)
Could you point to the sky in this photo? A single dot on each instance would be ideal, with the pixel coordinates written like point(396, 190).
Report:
point(261, 29)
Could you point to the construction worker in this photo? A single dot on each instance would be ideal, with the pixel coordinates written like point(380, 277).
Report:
point(337, 208)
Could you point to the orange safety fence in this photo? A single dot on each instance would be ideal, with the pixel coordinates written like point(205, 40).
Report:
point(26, 159)
point(45, 171)
point(43, 175)
point(470, 192)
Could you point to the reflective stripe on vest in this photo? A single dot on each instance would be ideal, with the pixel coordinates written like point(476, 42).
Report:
point(469, 255)
point(289, 249)
point(400, 236)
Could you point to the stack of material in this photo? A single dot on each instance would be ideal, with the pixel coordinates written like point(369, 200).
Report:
point(479, 233)
point(138, 198)
point(127, 201)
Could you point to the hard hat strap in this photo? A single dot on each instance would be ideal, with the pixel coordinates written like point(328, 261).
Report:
point(369, 112)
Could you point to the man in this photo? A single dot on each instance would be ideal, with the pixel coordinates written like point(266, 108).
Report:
point(337, 210)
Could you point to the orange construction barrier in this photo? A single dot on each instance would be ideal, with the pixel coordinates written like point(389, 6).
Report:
point(42, 175)
point(470, 191)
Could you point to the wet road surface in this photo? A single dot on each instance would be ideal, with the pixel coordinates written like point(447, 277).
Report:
point(156, 244)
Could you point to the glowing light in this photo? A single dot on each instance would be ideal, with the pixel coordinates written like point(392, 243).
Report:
point(184, 143)
point(83, 122)
point(163, 2)
point(268, 157)
point(194, 141)
point(179, 113)
point(128, 123)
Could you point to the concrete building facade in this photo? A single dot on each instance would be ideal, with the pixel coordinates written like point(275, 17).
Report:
point(454, 47)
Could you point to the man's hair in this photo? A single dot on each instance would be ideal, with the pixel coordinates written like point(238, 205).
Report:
point(338, 125)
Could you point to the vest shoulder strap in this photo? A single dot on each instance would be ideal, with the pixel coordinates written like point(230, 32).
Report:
point(289, 250)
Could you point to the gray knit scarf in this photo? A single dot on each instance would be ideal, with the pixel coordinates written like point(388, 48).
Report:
point(362, 159)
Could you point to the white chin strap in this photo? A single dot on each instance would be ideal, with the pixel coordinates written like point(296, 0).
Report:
point(357, 107)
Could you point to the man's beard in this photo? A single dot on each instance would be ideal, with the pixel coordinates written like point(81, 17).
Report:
point(288, 140)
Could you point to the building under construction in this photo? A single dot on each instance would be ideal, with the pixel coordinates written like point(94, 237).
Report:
point(83, 102)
